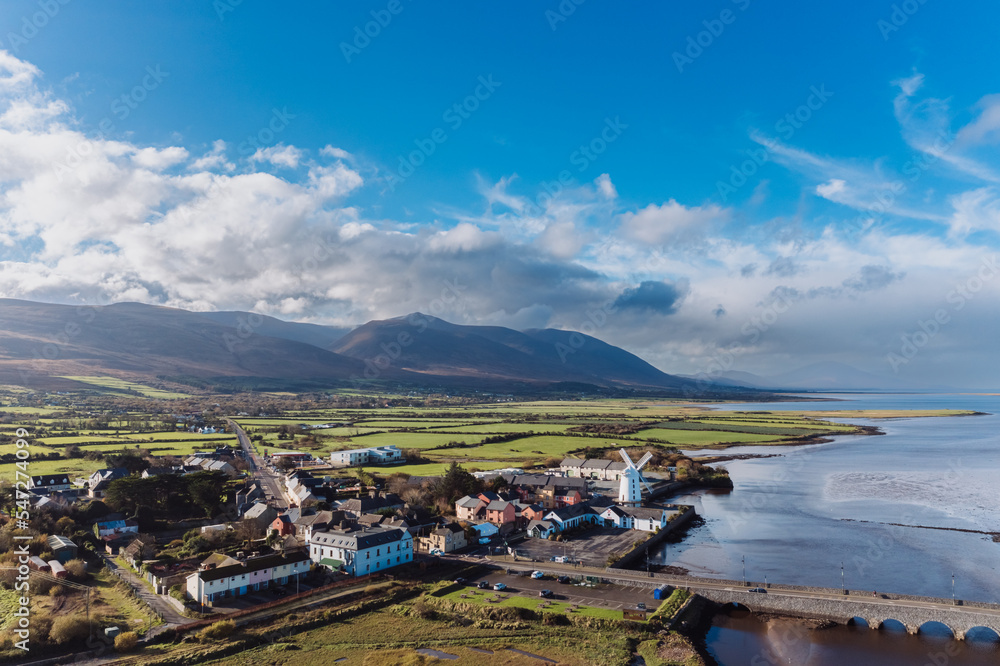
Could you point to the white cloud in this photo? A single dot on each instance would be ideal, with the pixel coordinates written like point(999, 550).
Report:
point(672, 221)
point(279, 155)
point(605, 186)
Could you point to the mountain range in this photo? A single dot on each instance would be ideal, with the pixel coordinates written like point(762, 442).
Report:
point(42, 344)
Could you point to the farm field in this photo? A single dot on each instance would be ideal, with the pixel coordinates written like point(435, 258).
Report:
point(117, 384)
point(706, 437)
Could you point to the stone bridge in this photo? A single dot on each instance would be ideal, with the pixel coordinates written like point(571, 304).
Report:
point(834, 605)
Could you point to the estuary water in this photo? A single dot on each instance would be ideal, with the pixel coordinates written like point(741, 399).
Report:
point(910, 512)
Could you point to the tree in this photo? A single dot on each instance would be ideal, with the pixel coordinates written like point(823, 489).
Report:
point(456, 483)
point(65, 526)
point(204, 490)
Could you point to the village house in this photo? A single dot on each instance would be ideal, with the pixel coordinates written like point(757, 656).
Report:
point(214, 583)
point(595, 469)
point(646, 519)
point(361, 551)
point(447, 538)
point(501, 513)
point(261, 514)
point(548, 490)
point(49, 482)
point(98, 482)
point(118, 527)
point(375, 501)
point(569, 517)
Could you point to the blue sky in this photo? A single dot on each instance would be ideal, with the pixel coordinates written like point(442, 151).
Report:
point(751, 186)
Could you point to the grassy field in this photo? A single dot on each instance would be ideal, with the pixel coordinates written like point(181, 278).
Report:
point(391, 637)
point(690, 438)
point(117, 384)
point(474, 596)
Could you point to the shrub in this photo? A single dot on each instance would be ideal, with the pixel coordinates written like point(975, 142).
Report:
point(219, 630)
point(76, 569)
point(57, 591)
point(126, 641)
point(66, 628)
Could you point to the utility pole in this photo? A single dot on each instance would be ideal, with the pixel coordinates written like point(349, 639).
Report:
point(843, 583)
point(953, 587)
point(744, 558)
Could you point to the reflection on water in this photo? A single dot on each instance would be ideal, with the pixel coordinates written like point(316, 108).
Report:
point(900, 512)
point(738, 638)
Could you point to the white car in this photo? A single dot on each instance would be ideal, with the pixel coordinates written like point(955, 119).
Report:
point(537, 574)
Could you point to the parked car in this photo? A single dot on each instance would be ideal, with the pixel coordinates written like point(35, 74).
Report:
point(537, 575)
point(756, 589)
point(545, 593)
point(459, 580)
point(499, 587)
point(562, 579)
point(483, 584)
point(641, 605)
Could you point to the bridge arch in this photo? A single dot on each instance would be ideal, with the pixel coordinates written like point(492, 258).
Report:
point(736, 605)
point(858, 622)
point(892, 625)
point(935, 628)
point(984, 634)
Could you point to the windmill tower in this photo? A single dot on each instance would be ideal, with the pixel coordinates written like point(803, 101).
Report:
point(629, 492)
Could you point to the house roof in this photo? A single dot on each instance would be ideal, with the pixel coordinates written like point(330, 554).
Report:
point(257, 510)
point(468, 502)
point(448, 528)
point(569, 512)
point(497, 505)
point(572, 462)
point(358, 539)
point(218, 560)
point(644, 512)
point(57, 542)
point(253, 564)
point(50, 480)
point(544, 524)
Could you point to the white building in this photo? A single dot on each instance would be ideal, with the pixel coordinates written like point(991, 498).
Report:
point(646, 519)
point(378, 455)
point(361, 551)
point(248, 576)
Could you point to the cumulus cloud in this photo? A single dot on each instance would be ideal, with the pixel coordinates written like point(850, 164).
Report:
point(672, 221)
point(279, 155)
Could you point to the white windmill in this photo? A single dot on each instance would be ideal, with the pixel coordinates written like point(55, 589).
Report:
point(629, 492)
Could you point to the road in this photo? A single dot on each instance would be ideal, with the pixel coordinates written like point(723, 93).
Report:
point(163, 607)
point(272, 483)
point(707, 584)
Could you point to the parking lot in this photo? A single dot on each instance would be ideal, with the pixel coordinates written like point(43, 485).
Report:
point(602, 596)
point(591, 548)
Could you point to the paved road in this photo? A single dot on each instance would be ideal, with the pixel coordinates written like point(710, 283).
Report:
point(708, 584)
point(272, 483)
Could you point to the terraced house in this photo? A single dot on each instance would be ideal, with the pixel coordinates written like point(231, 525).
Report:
point(361, 551)
point(251, 575)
